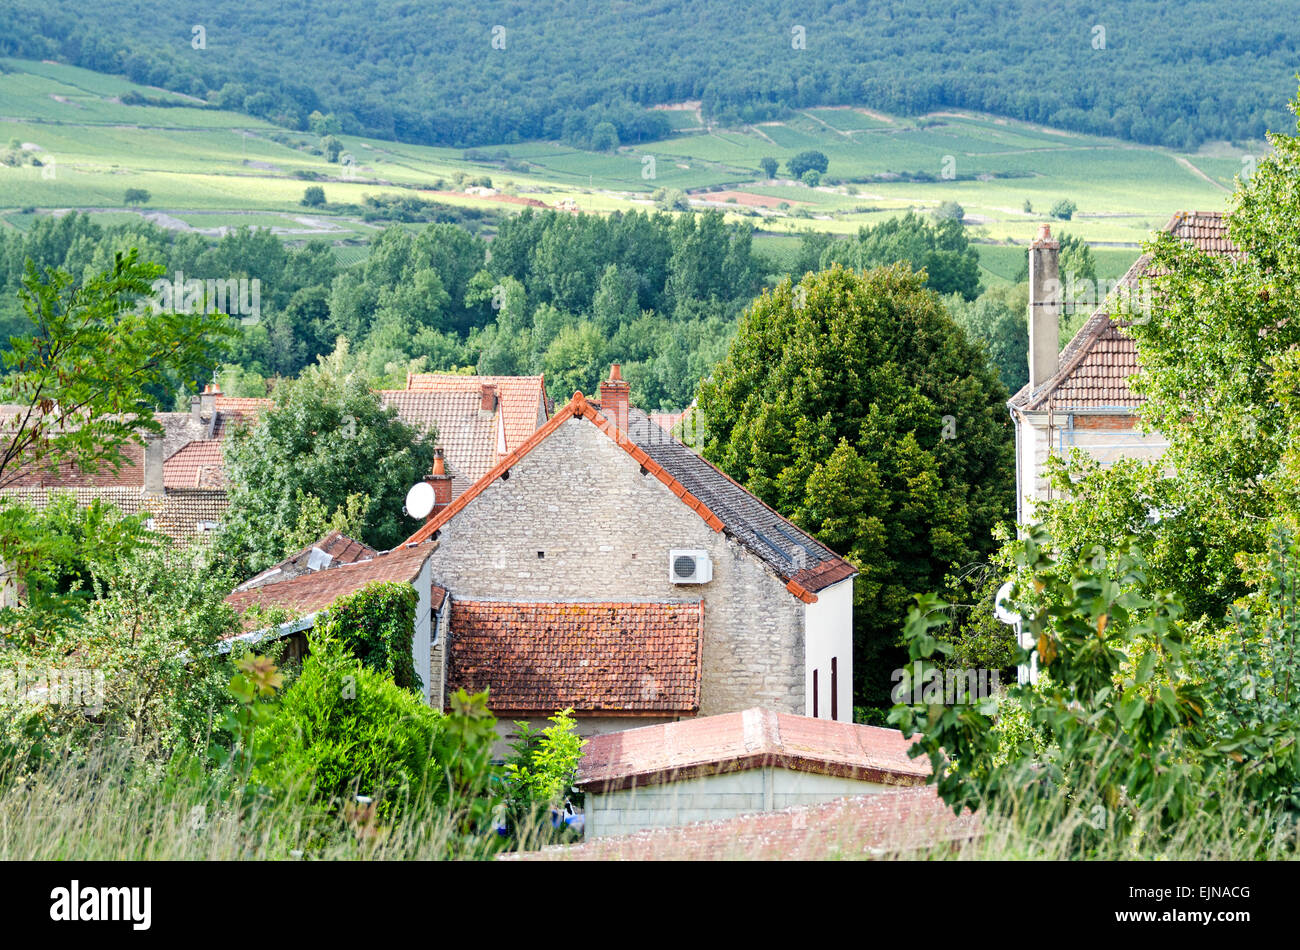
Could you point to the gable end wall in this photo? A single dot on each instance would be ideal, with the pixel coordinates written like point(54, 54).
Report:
point(605, 531)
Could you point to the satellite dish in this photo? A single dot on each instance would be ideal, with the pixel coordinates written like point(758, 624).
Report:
point(1000, 609)
point(419, 500)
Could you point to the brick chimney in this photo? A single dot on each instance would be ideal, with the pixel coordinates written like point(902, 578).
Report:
point(441, 483)
point(1044, 307)
point(153, 465)
point(489, 403)
point(613, 397)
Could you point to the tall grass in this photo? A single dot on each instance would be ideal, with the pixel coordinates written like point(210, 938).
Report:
point(107, 808)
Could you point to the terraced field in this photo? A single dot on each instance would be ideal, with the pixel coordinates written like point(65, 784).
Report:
point(207, 169)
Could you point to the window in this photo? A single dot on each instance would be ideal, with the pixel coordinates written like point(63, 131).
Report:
point(835, 688)
point(814, 694)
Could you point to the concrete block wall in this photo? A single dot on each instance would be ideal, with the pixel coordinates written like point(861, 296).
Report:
point(577, 521)
point(713, 798)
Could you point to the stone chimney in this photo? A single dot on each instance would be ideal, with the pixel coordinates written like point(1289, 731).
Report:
point(441, 483)
point(1044, 307)
point(153, 465)
point(204, 404)
point(489, 403)
point(614, 396)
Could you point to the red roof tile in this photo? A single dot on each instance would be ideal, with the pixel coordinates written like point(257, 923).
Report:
point(886, 823)
point(68, 475)
point(340, 548)
point(315, 591)
point(248, 407)
point(630, 658)
point(522, 398)
point(736, 742)
point(467, 435)
point(1095, 366)
point(194, 464)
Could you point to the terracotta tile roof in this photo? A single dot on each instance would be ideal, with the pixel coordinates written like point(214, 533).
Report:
point(184, 515)
point(339, 548)
point(1096, 364)
point(246, 406)
point(523, 402)
point(308, 593)
point(67, 475)
point(629, 658)
point(736, 742)
point(887, 823)
point(467, 435)
point(805, 564)
point(199, 464)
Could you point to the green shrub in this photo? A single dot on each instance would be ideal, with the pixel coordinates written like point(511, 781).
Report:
point(545, 761)
point(349, 730)
point(376, 624)
point(1128, 726)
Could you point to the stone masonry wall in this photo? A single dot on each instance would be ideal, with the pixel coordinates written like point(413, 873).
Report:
point(577, 521)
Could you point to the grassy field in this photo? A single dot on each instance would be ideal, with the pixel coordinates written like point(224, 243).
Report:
point(208, 169)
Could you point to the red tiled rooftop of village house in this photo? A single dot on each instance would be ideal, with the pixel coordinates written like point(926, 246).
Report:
point(466, 433)
point(340, 548)
point(248, 406)
point(754, 738)
point(894, 822)
point(315, 591)
point(523, 398)
point(67, 475)
point(616, 658)
point(1096, 365)
point(190, 466)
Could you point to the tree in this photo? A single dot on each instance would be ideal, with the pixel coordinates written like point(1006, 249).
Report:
point(327, 437)
point(949, 211)
point(812, 178)
point(332, 147)
point(136, 196)
point(940, 248)
point(1215, 340)
point(998, 319)
point(670, 199)
point(324, 124)
point(805, 161)
point(88, 375)
point(313, 196)
point(604, 137)
point(768, 165)
point(855, 405)
point(1064, 209)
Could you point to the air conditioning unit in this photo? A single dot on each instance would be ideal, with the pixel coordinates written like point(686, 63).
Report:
point(689, 567)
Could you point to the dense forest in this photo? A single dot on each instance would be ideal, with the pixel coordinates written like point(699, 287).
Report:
point(558, 294)
point(1171, 72)
point(552, 293)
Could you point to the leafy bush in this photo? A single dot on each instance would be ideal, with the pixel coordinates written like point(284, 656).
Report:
point(376, 624)
point(349, 730)
point(545, 761)
point(1119, 728)
point(1064, 209)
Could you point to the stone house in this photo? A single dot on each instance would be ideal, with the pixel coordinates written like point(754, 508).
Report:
point(1079, 397)
point(604, 565)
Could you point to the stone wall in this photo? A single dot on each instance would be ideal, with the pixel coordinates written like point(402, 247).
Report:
point(577, 521)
